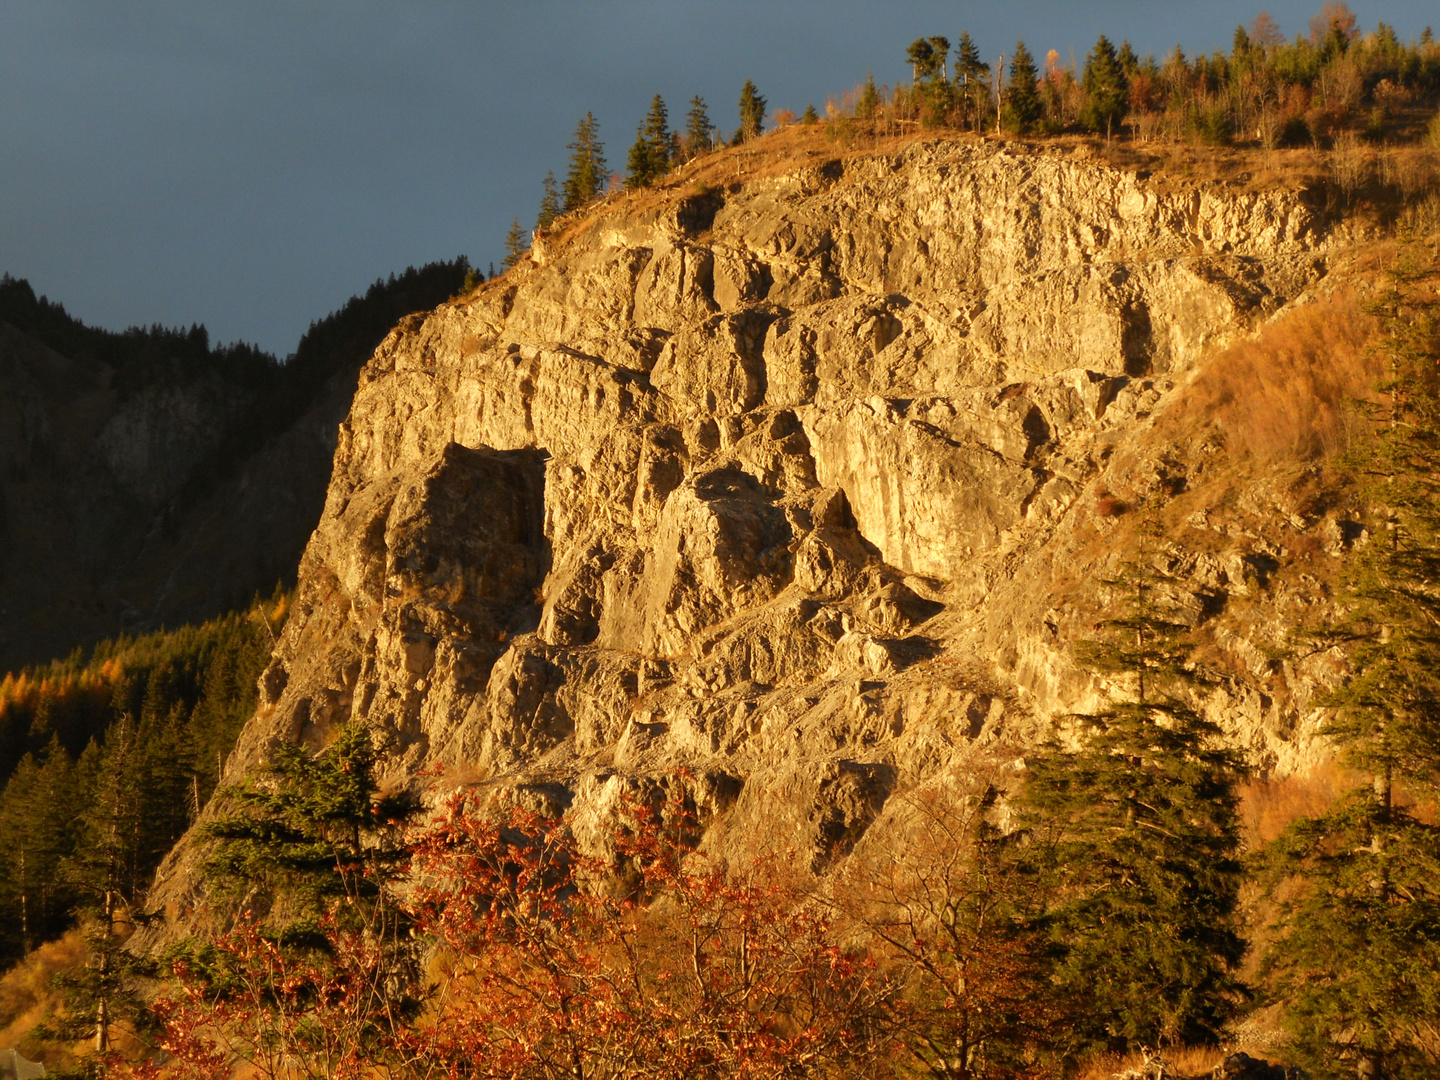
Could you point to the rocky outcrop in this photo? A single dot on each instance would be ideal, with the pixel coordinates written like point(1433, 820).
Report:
point(790, 484)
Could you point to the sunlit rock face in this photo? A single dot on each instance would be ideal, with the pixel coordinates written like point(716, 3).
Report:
point(789, 484)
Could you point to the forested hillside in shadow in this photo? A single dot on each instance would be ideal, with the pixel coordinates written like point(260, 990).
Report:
point(151, 477)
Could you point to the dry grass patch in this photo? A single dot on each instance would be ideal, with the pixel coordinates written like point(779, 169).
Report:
point(27, 997)
point(1289, 393)
point(1268, 806)
point(1180, 1061)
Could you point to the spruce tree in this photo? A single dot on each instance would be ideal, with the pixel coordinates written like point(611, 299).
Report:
point(638, 172)
point(109, 870)
point(1128, 61)
point(588, 169)
point(752, 113)
point(310, 855)
point(314, 832)
point(549, 204)
point(1023, 108)
point(972, 81)
point(1356, 958)
point(1105, 88)
point(37, 831)
point(809, 116)
point(515, 246)
point(699, 131)
point(658, 137)
point(653, 150)
point(1240, 46)
point(868, 100)
point(1135, 834)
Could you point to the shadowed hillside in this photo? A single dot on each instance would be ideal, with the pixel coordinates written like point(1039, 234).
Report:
point(150, 478)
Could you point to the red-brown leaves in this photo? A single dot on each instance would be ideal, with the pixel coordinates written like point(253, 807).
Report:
point(699, 969)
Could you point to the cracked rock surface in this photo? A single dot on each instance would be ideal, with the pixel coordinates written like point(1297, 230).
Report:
point(775, 484)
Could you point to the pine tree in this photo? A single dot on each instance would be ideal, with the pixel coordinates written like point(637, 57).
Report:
point(1356, 959)
point(1023, 108)
point(588, 169)
point(549, 204)
point(940, 50)
point(1104, 83)
point(923, 63)
point(1137, 837)
point(929, 58)
point(515, 246)
point(752, 113)
point(699, 131)
point(809, 116)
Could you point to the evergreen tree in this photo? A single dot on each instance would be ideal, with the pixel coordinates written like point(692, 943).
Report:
point(658, 137)
point(809, 116)
point(653, 150)
point(868, 100)
point(588, 169)
point(549, 204)
point(1356, 959)
point(1023, 108)
point(638, 170)
point(972, 81)
point(923, 62)
point(315, 832)
point(940, 51)
point(752, 113)
point(110, 872)
point(1136, 836)
point(309, 857)
point(1104, 83)
point(699, 131)
point(515, 246)
point(37, 832)
point(1128, 61)
point(1240, 46)
point(929, 62)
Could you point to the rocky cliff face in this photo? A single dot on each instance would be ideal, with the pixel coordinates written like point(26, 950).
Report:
point(790, 484)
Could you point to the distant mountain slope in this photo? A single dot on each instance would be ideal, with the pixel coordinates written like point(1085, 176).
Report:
point(148, 478)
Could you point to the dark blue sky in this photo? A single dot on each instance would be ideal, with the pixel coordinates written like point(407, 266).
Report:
point(251, 164)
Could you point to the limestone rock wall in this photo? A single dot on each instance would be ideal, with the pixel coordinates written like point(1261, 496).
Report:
point(777, 484)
